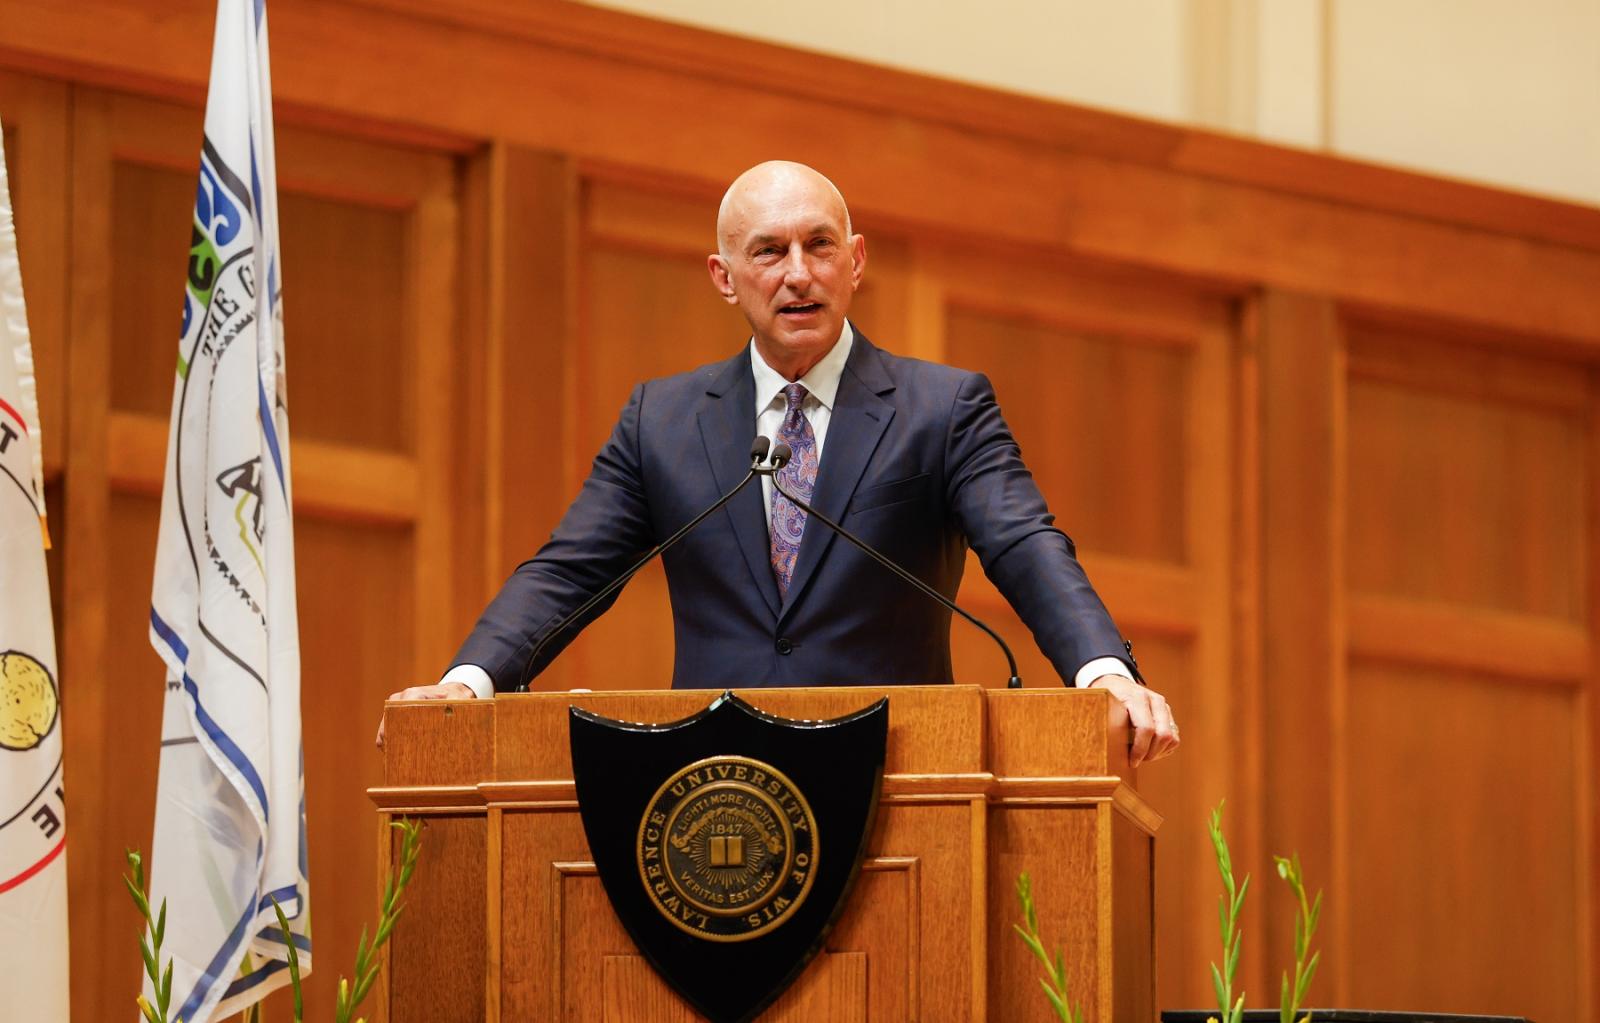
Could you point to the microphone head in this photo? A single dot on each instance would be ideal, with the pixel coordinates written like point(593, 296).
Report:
point(759, 448)
point(781, 455)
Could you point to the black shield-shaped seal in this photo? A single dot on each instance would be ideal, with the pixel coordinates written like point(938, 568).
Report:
point(728, 841)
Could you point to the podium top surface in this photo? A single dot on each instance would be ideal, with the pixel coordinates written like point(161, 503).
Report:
point(946, 730)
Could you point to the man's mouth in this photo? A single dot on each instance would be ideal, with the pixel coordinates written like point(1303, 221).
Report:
point(801, 308)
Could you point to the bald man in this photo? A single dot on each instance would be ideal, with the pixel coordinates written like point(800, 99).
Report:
point(911, 456)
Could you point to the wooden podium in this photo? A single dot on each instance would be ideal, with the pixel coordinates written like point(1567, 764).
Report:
point(507, 919)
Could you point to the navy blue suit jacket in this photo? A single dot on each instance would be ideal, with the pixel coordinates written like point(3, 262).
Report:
point(917, 461)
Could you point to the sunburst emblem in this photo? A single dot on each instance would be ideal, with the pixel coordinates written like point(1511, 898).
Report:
point(29, 703)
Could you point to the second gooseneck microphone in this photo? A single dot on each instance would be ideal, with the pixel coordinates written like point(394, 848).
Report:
point(780, 457)
point(758, 457)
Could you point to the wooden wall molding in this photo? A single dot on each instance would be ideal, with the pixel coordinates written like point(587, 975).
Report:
point(1107, 187)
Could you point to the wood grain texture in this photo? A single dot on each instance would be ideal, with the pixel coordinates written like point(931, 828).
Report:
point(38, 130)
point(1471, 825)
point(91, 701)
point(441, 947)
point(1302, 450)
point(917, 940)
point(1070, 191)
point(832, 990)
point(1357, 415)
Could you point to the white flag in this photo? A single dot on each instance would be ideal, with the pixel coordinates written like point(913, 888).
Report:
point(33, 831)
point(230, 809)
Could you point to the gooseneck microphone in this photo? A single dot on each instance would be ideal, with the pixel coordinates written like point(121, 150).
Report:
point(758, 455)
point(780, 457)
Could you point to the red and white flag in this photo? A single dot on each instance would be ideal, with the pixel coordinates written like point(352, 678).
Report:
point(33, 827)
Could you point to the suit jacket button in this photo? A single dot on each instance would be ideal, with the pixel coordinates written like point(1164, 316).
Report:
point(783, 646)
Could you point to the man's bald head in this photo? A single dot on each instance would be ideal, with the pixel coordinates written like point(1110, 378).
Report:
point(787, 258)
point(772, 182)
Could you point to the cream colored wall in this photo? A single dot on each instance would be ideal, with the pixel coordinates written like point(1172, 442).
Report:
point(1486, 90)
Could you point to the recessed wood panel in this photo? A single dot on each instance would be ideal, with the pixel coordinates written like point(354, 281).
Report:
point(1462, 845)
point(344, 284)
point(644, 315)
point(130, 755)
point(152, 215)
point(352, 652)
point(1101, 421)
point(1466, 499)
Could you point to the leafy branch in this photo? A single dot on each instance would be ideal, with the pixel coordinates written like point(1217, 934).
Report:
point(1305, 928)
point(150, 943)
point(1228, 906)
point(1055, 980)
point(367, 955)
point(294, 960)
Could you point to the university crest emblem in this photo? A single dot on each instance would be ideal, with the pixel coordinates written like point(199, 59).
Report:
point(729, 841)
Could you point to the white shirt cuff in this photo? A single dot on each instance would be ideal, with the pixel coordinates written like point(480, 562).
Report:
point(1091, 671)
point(482, 686)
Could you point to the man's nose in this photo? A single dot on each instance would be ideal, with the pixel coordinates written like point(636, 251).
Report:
point(796, 271)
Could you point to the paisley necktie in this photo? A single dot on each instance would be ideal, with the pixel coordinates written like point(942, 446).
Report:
point(798, 477)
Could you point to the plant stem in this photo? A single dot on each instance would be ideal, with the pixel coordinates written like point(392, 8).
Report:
point(350, 998)
point(1228, 906)
point(1055, 980)
point(1305, 928)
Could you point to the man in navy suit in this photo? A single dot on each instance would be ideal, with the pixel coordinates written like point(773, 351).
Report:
point(912, 456)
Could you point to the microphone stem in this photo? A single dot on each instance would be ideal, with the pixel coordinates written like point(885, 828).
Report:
point(620, 580)
point(1014, 682)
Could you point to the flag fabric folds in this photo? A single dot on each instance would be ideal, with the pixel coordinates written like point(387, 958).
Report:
point(33, 831)
point(230, 807)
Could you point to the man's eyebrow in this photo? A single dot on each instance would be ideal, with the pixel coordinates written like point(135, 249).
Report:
point(821, 227)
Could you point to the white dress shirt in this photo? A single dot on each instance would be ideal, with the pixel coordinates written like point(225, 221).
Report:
point(822, 384)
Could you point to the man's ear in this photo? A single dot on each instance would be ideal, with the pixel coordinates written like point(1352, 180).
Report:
point(721, 277)
point(858, 259)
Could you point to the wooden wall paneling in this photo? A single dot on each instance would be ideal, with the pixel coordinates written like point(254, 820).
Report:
point(1480, 458)
point(430, 292)
point(1505, 461)
point(528, 299)
point(647, 309)
point(34, 113)
point(1206, 700)
point(91, 704)
point(1589, 748)
point(925, 306)
point(364, 473)
point(1247, 731)
point(667, 108)
point(1462, 867)
point(1302, 438)
point(1130, 436)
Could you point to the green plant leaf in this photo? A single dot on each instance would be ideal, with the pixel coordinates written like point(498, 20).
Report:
point(1221, 992)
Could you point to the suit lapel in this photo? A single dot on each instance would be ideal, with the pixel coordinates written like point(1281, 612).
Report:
point(860, 415)
point(727, 424)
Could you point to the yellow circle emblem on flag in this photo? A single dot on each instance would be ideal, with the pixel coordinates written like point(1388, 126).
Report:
point(28, 701)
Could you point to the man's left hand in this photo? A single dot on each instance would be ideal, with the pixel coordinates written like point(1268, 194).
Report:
point(1155, 733)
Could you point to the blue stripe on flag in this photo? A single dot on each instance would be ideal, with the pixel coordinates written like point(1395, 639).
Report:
point(283, 895)
point(208, 979)
point(165, 632)
point(234, 754)
point(270, 429)
point(301, 942)
point(245, 983)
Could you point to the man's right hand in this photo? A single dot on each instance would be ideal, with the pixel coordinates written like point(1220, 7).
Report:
point(437, 691)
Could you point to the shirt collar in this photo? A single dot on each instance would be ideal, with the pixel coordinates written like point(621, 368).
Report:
point(822, 382)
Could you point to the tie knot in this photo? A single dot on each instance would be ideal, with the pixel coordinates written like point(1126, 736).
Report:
point(796, 395)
